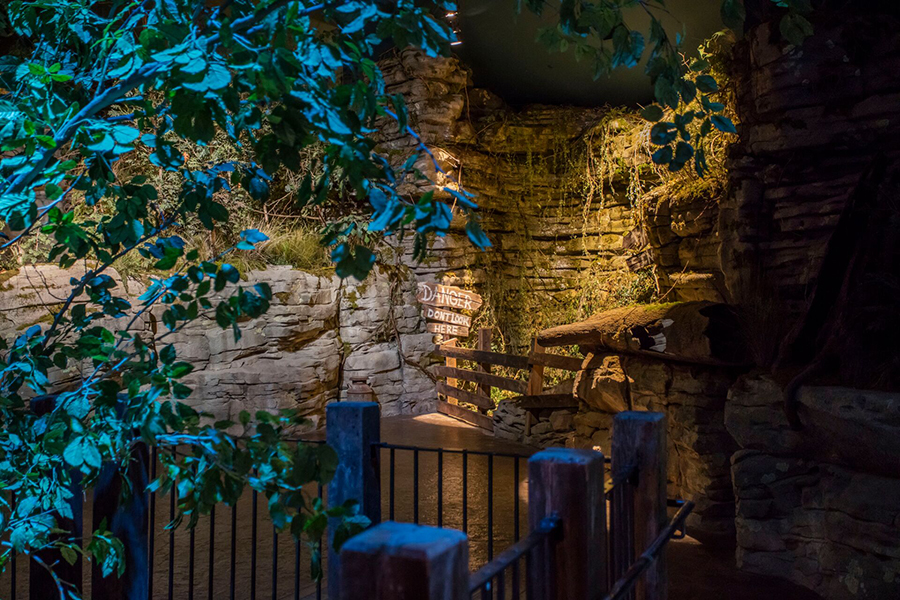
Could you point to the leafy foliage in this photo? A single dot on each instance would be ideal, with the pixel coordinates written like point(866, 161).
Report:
point(94, 82)
point(599, 31)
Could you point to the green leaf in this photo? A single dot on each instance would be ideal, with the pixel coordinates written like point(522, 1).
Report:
point(652, 113)
point(707, 84)
point(795, 28)
point(723, 123)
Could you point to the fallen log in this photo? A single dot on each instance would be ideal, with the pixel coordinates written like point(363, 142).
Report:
point(693, 332)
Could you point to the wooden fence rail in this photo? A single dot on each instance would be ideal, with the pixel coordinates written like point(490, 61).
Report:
point(572, 553)
point(531, 395)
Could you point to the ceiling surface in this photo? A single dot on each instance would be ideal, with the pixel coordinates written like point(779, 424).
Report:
point(501, 48)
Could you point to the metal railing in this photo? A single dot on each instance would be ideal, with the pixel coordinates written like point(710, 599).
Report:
point(624, 586)
point(490, 581)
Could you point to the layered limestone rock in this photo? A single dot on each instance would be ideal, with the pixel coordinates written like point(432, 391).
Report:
point(818, 506)
point(300, 355)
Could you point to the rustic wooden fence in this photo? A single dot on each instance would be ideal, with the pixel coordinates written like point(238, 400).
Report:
point(593, 535)
point(530, 393)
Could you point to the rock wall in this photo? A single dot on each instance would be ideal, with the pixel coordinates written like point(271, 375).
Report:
point(819, 507)
point(301, 354)
point(693, 399)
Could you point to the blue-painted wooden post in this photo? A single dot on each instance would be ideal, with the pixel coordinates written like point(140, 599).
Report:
point(402, 561)
point(41, 584)
point(568, 484)
point(352, 430)
point(127, 516)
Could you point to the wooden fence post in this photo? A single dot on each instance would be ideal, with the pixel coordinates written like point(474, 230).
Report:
point(41, 584)
point(352, 428)
point(639, 442)
point(451, 362)
point(484, 344)
point(402, 561)
point(127, 517)
point(568, 483)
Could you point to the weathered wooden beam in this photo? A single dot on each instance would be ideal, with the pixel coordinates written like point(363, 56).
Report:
point(536, 375)
point(639, 443)
point(467, 416)
point(555, 361)
point(402, 561)
point(692, 332)
point(486, 379)
point(451, 362)
point(484, 344)
point(568, 484)
point(352, 428)
point(512, 361)
point(470, 397)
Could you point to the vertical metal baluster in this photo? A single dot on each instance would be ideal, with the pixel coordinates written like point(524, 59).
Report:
point(172, 493)
point(151, 537)
point(391, 503)
point(233, 547)
point(490, 507)
point(465, 492)
point(297, 570)
point(274, 563)
point(191, 546)
point(319, 583)
point(440, 487)
point(515, 578)
point(501, 585)
point(486, 591)
point(212, 552)
point(12, 562)
point(529, 593)
point(253, 533)
point(416, 487)
point(516, 501)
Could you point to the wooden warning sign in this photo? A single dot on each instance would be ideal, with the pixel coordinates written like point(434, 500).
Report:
point(447, 296)
point(447, 316)
point(446, 329)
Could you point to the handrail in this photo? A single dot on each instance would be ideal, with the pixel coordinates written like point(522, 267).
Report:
point(643, 562)
point(548, 527)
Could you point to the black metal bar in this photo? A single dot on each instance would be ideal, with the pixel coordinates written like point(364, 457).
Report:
point(172, 493)
point(452, 450)
point(490, 507)
point(274, 562)
point(253, 541)
point(297, 570)
point(643, 562)
point(501, 585)
point(212, 553)
point(319, 582)
point(391, 502)
point(416, 487)
point(465, 491)
point(12, 562)
point(440, 490)
point(521, 548)
point(151, 526)
point(233, 547)
point(516, 500)
point(515, 580)
point(486, 591)
point(191, 547)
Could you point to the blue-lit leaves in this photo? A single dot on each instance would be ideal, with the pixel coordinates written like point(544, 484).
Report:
point(250, 238)
point(167, 251)
point(723, 123)
point(355, 261)
point(476, 234)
